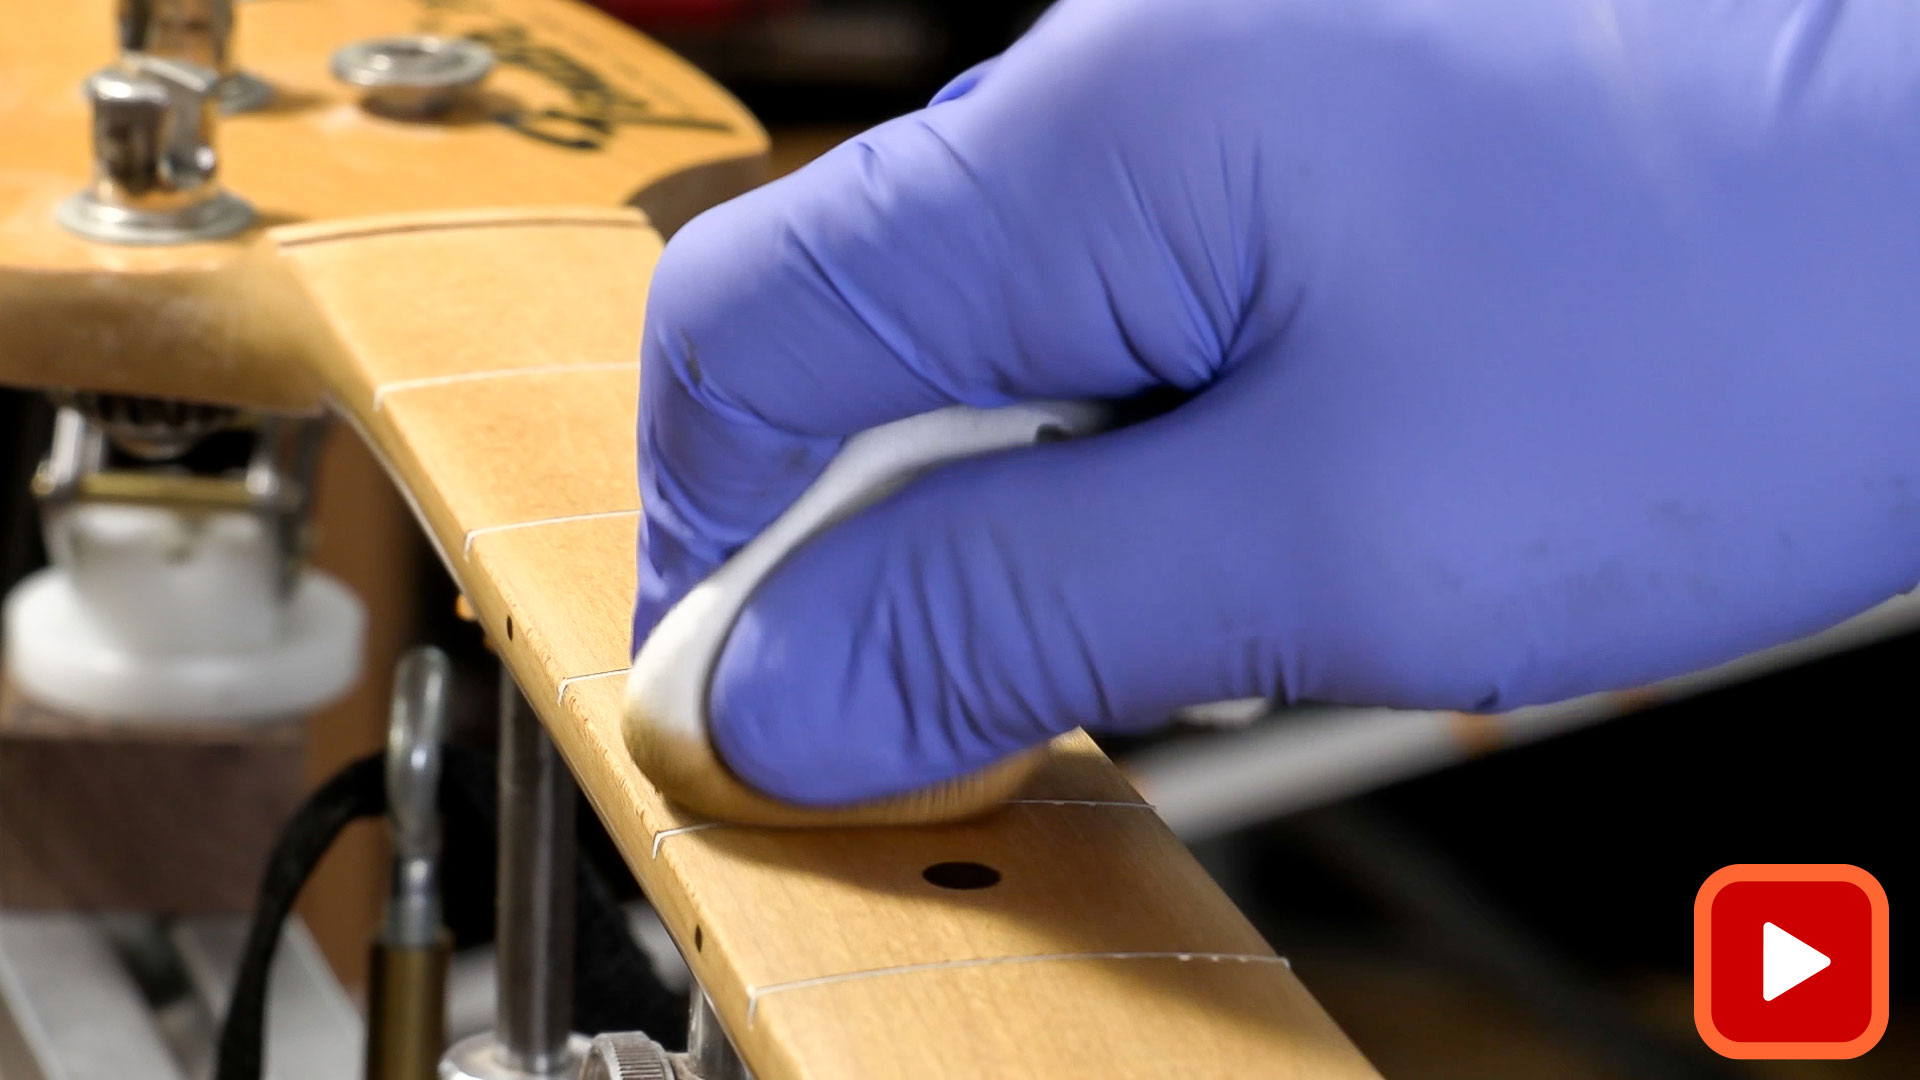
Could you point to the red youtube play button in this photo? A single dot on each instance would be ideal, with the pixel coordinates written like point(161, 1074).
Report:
point(1790, 961)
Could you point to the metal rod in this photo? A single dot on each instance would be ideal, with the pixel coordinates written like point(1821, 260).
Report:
point(407, 974)
point(414, 735)
point(710, 1053)
point(535, 893)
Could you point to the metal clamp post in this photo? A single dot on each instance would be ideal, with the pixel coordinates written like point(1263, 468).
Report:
point(710, 1052)
point(533, 1038)
point(407, 987)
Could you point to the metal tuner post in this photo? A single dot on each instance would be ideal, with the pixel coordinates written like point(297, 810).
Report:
point(198, 32)
point(155, 171)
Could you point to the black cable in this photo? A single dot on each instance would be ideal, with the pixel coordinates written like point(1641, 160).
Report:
point(615, 986)
point(356, 792)
point(26, 426)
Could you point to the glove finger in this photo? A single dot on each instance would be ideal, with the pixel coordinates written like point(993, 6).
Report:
point(981, 251)
point(987, 607)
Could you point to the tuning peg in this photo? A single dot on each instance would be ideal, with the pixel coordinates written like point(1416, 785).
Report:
point(197, 32)
point(155, 171)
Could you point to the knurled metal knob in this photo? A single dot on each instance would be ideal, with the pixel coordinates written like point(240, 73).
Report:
point(627, 1055)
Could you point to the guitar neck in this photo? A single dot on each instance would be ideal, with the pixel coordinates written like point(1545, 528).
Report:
point(490, 358)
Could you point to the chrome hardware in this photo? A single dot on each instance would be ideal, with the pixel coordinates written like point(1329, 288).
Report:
point(197, 32)
point(407, 983)
point(627, 1055)
point(631, 1055)
point(155, 171)
point(277, 484)
point(710, 1051)
point(413, 77)
point(415, 732)
point(150, 429)
point(243, 91)
point(533, 1037)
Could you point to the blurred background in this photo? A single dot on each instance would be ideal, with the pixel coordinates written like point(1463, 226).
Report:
point(1525, 914)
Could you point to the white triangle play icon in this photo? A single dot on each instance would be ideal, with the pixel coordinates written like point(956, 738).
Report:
point(1786, 961)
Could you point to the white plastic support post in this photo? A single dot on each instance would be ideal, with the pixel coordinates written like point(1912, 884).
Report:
point(163, 615)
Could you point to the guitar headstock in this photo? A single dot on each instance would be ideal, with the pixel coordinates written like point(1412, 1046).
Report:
point(577, 110)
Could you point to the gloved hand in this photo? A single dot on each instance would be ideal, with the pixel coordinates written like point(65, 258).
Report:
point(1533, 347)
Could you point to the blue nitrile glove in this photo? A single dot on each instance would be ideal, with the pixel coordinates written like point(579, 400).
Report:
point(1537, 347)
